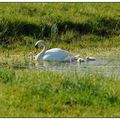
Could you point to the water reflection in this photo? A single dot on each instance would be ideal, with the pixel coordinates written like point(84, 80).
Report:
point(107, 67)
point(104, 66)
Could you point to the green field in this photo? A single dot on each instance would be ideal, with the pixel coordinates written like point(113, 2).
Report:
point(33, 93)
point(25, 23)
point(88, 29)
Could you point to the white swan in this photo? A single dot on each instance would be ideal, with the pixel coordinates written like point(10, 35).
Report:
point(54, 54)
point(90, 58)
point(80, 60)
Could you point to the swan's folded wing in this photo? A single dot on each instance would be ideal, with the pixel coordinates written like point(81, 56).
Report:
point(57, 54)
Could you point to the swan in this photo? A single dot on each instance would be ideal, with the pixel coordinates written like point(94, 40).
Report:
point(54, 54)
point(80, 60)
point(90, 58)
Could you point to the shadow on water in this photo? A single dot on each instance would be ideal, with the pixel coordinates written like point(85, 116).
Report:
point(107, 67)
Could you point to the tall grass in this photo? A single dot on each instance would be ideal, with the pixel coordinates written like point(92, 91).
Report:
point(20, 22)
point(47, 94)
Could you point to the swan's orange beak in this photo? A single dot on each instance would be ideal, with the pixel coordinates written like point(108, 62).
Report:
point(36, 50)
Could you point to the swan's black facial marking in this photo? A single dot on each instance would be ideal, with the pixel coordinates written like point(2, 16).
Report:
point(36, 46)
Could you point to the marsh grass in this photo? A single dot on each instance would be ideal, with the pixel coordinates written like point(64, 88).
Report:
point(33, 93)
point(65, 22)
point(7, 75)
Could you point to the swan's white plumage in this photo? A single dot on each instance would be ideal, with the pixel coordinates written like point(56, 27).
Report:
point(80, 60)
point(55, 54)
point(90, 58)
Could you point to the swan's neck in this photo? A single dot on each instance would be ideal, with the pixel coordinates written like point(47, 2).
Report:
point(42, 53)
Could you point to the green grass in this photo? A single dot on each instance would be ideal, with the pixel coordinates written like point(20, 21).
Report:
point(32, 93)
point(25, 23)
point(88, 29)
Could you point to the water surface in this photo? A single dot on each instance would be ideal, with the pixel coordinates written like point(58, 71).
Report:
point(106, 66)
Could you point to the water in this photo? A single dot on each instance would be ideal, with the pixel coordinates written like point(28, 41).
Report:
point(108, 67)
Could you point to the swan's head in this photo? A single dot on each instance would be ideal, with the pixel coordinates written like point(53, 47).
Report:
point(38, 44)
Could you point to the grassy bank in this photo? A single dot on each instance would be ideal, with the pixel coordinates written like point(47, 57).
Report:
point(86, 24)
point(33, 93)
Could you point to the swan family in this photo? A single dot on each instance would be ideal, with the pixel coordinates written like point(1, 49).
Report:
point(56, 54)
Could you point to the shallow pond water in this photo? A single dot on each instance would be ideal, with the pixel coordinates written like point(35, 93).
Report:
point(103, 66)
point(106, 66)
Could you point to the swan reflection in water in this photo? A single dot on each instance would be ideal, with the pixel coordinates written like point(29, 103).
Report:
point(41, 64)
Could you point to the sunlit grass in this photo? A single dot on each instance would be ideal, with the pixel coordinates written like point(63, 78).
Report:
point(27, 22)
point(33, 93)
